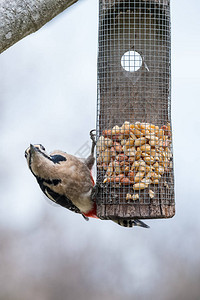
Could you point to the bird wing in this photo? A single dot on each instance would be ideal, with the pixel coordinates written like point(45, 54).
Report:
point(57, 198)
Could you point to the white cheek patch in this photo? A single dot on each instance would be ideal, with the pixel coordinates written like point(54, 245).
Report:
point(87, 194)
point(72, 169)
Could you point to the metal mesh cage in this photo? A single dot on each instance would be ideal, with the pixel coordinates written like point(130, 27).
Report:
point(134, 148)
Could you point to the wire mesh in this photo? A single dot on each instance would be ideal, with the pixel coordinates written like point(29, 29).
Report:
point(134, 148)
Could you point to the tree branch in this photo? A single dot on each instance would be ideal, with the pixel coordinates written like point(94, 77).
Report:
point(19, 18)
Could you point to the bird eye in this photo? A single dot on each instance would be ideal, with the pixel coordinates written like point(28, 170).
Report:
point(42, 147)
point(26, 153)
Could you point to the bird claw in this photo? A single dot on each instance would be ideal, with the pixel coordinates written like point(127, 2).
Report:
point(86, 218)
point(92, 136)
point(95, 192)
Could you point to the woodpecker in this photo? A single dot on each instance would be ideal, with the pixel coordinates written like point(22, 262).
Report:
point(67, 180)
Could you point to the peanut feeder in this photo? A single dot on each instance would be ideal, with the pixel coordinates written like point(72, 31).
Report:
point(134, 147)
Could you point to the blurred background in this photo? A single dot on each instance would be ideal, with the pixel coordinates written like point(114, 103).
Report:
point(48, 96)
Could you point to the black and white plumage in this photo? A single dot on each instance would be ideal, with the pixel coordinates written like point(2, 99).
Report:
point(67, 180)
point(56, 174)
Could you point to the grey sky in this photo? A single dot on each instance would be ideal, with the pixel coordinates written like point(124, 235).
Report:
point(48, 96)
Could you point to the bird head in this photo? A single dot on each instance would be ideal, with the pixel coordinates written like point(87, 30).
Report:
point(40, 162)
point(36, 156)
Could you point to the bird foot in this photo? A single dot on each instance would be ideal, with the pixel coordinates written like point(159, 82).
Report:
point(93, 136)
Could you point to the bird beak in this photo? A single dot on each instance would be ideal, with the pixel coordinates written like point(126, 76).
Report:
point(32, 149)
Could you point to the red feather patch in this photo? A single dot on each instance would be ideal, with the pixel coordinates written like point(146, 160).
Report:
point(92, 178)
point(92, 213)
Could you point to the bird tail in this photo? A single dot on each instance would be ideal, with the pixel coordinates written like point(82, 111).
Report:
point(130, 223)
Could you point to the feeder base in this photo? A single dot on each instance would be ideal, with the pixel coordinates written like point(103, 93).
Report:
point(137, 211)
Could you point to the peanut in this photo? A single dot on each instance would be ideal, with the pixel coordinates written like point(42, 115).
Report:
point(139, 175)
point(137, 132)
point(129, 143)
point(145, 148)
point(116, 130)
point(108, 142)
point(139, 186)
point(135, 196)
point(137, 154)
point(151, 194)
point(140, 141)
point(125, 181)
point(128, 196)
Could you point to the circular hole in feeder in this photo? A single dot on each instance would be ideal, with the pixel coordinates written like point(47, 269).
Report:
point(131, 61)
